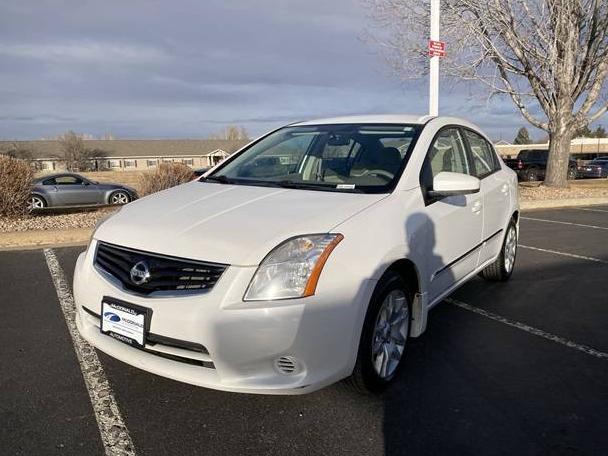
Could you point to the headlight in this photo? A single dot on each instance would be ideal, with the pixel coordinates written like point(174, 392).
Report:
point(292, 269)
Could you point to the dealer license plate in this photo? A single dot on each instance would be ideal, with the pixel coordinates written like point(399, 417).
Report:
point(125, 322)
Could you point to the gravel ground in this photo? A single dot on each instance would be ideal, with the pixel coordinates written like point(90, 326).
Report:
point(54, 221)
point(535, 191)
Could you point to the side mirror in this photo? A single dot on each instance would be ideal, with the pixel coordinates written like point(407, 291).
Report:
point(447, 184)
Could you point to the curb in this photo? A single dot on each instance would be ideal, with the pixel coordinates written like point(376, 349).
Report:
point(38, 239)
point(559, 203)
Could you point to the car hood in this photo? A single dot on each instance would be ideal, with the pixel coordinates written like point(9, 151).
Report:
point(232, 224)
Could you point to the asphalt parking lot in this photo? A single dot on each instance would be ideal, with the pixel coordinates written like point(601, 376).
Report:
point(515, 368)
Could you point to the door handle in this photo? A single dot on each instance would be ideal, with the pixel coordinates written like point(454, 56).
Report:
point(504, 188)
point(476, 208)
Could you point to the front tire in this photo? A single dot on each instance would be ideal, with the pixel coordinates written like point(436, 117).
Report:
point(384, 336)
point(502, 268)
point(120, 198)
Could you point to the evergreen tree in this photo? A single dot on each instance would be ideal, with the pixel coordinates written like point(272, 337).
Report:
point(600, 132)
point(584, 132)
point(523, 137)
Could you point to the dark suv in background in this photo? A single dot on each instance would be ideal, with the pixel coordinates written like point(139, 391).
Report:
point(530, 165)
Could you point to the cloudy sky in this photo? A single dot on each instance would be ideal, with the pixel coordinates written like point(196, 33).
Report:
point(186, 68)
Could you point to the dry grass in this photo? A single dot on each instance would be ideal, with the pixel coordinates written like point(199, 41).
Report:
point(582, 188)
point(15, 186)
point(167, 175)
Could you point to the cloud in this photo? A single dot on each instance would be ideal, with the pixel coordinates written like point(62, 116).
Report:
point(86, 51)
point(152, 68)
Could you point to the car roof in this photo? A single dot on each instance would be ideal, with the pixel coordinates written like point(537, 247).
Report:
point(51, 176)
point(370, 119)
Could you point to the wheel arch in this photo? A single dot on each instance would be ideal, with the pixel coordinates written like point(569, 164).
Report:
point(407, 269)
point(111, 192)
point(40, 195)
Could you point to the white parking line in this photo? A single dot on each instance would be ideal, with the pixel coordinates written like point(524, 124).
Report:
point(589, 209)
point(571, 255)
point(565, 223)
point(114, 433)
point(529, 329)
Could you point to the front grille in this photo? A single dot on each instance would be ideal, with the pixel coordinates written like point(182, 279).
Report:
point(164, 273)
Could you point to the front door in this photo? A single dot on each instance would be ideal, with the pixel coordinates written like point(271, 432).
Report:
point(454, 222)
point(73, 191)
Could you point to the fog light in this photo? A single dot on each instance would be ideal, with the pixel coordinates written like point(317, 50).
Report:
point(287, 365)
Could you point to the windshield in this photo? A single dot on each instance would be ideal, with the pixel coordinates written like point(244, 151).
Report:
point(359, 158)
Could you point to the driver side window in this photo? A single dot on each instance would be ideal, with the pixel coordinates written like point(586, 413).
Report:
point(281, 159)
point(447, 153)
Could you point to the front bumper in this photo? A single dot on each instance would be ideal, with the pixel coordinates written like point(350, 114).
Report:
point(243, 340)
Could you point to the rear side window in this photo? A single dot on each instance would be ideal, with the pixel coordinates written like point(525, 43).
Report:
point(67, 180)
point(532, 154)
point(484, 158)
point(48, 182)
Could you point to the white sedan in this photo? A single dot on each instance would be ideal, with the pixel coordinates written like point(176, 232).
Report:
point(310, 256)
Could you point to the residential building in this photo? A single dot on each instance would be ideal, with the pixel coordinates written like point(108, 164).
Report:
point(581, 149)
point(133, 154)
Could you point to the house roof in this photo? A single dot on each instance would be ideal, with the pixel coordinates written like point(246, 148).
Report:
point(134, 147)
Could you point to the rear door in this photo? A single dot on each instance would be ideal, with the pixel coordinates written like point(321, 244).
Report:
point(454, 222)
point(495, 189)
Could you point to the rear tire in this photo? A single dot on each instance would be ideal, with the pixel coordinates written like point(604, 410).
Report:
point(384, 336)
point(36, 202)
point(502, 268)
point(531, 175)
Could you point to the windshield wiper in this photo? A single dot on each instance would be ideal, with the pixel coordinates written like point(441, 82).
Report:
point(218, 179)
point(305, 186)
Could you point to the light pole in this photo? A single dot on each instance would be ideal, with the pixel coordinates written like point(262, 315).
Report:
point(435, 51)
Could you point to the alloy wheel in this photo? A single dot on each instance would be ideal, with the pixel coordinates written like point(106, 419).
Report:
point(510, 248)
point(390, 333)
point(35, 203)
point(119, 198)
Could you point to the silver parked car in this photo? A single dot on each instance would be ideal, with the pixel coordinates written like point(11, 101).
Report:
point(69, 189)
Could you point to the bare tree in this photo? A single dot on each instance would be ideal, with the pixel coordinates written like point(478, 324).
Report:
point(76, 156)
point(550, 57)
point(231, 132)
point(17, 149)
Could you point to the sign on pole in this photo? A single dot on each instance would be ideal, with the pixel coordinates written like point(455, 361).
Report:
point(436, 48)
